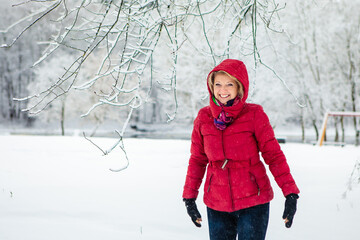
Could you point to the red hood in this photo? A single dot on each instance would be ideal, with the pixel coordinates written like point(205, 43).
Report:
point(237, 69)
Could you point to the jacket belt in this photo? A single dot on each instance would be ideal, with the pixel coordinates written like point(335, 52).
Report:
point(228, 163)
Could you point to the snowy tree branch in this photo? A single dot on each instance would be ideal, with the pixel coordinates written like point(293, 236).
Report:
point(54, 6)
point(118, 39)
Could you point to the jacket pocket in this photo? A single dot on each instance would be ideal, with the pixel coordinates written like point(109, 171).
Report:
point(209, 184)
point(253, 179)
point(244, 184)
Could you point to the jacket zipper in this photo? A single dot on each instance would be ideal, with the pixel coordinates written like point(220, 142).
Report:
point(231, 197)
point(228, 171)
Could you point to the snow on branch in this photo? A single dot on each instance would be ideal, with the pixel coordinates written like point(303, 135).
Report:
point(354, 179)
point(43, 14)
point(112, 45)
point(119, 143)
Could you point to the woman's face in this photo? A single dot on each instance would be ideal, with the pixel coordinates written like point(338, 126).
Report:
point(225, 88)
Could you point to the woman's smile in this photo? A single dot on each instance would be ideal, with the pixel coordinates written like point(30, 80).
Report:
point(225, 88)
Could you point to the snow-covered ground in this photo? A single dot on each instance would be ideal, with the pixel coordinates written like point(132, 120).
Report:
point(58, 188)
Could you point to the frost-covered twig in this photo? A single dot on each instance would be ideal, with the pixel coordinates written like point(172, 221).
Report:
point(175, 48)
point(205, 34)
point(258, 59)
point(97, 146)
point(51, 8)
point(354, 178)
point(19, 22)
point(119, 143)
point(122, 147)
point(122, 36)
point(302, 105)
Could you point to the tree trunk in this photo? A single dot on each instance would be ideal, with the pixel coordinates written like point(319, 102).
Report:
point(353, 101)
point(336, 139)
point(302, 126)
point(353, 90)
point(316, 129)
point(62, 118)
point(342, 128)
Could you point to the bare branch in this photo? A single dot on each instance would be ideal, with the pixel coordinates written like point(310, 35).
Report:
point(204, 31)
point(54, 6)
point(119, 143)
point(121, 38)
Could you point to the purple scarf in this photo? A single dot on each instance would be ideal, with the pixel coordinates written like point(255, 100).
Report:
point(222, 121)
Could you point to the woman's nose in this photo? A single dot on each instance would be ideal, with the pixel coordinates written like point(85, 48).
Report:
point(223, 88)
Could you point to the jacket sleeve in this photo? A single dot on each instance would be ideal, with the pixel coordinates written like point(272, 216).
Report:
point(272, 153)
point(197, 163)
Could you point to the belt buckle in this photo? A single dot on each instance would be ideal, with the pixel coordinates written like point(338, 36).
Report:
point(224, 164)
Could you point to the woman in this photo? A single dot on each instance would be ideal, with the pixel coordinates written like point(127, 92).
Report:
point(226, 140)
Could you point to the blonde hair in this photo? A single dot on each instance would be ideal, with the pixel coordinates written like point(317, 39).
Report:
point(211, 80)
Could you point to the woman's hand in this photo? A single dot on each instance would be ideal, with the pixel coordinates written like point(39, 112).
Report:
point(193, 211)
point(290, 209)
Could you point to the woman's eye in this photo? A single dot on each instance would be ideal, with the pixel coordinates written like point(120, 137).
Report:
point(217, 84)
point(230, 84)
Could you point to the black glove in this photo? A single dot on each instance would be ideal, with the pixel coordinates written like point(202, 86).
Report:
point(193, 211)
point(290, 209)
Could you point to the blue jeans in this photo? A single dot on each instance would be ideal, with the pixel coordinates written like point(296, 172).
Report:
point(248, 224)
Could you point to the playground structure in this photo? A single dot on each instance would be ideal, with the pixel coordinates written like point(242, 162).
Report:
point(320, 141)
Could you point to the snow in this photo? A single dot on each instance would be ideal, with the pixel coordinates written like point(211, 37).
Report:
point(61, 188)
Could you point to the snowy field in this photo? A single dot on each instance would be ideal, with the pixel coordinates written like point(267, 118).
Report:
point(60, 188)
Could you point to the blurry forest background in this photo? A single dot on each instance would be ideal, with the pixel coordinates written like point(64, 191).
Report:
point(141, 66)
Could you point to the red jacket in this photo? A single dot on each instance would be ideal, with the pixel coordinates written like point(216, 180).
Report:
point(242, 182)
